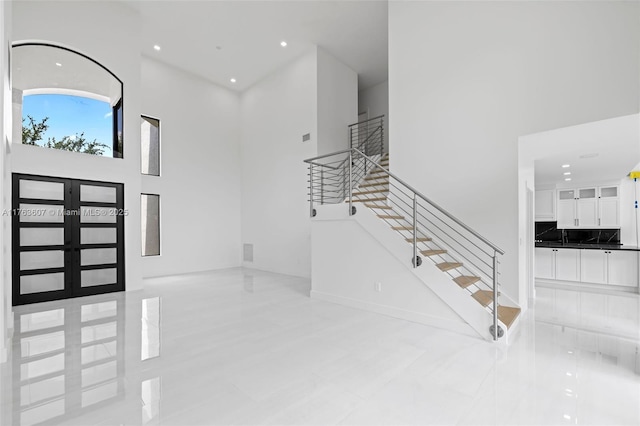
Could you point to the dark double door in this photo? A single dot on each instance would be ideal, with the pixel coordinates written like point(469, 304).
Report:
point(68, 238)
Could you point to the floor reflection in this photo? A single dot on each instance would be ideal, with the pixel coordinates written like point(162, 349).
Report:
point(67, 360)
point(150, 339)
point(150, 392)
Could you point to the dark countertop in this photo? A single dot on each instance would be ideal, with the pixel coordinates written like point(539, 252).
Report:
point(587, 246)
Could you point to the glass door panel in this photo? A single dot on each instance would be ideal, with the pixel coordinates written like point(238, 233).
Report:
point(67, 238)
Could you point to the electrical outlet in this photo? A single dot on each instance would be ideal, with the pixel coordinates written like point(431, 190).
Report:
point(378, 287)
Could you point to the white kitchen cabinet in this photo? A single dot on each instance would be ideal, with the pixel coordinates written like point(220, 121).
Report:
point(545, 263)
point(609, 207)
point(566, 208)
point(622, 268)
point(546, 205)
point(557, 264)
point(587, 208)
point(615, 267)
point(593, 268)
point(568, 264)
point(594, 207)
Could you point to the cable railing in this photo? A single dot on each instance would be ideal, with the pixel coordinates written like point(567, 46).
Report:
point(351, 176)
point(368, 136)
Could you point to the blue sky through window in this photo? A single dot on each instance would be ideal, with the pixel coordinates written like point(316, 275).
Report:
point(70, 115)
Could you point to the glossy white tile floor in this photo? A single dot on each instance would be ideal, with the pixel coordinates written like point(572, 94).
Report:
point(247, 347)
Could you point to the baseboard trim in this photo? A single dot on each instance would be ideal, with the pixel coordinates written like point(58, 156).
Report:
point(417, 317)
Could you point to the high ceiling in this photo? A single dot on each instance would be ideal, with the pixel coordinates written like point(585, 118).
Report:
point(220, 40)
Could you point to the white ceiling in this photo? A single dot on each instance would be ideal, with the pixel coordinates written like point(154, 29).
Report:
point(219, 40)
point(614, 160)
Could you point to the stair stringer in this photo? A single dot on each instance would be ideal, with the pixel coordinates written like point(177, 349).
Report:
point(438, 282)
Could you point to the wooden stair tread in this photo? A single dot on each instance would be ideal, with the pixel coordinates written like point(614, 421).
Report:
point(366, 200)
point(508, 314)
point(377, 206)
point(484, 297)
point(368, 185)
point(419, 240)
point(390, 216)
point(402, 228)
point(432, 252)
point(465, 281)
point(447, 266)
point(375, 191)
point(386, 177)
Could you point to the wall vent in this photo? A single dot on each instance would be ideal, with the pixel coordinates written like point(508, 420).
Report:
point(306, 137)
point(247, 252)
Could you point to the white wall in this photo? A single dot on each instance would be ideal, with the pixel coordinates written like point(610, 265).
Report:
point(375, 101)
point(5, 141)
point(359, 261)
point(74, 25)
point(337, 103)
point(200, 182)
point(275, 113)
point(466, 79)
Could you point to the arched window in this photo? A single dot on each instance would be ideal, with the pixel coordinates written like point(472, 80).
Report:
point(66, 100)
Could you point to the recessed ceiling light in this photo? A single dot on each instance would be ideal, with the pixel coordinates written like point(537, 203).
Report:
point(283, 43)
point(567, 179)
point(58, 64)
point(233, 80)
point(566, 173)
point(564, 166)
point(156, 47)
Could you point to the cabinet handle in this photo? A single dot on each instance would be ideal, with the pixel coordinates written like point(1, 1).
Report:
point(598, 221)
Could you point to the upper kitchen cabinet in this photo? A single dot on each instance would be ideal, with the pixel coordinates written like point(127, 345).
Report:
point(567, 208)
point(545, 205)
point(591, 207)
point(609, 206)
point(587, 208)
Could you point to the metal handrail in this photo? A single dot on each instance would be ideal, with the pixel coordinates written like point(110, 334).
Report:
point(407, 194)
point(364, 121)
point(443, 211)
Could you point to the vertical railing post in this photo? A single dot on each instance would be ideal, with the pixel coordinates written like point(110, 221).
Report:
point(495, 296)
point(350, 137)
point(381, 136)
point(344, 183)
point(350, 188)
point(415, 231)
point(311, 189)
point(322, 186)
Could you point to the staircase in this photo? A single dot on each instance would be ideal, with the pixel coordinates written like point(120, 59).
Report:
point(360, 177)
point(373, 193)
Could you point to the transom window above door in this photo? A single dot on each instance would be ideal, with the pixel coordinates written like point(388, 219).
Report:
point(67, 101)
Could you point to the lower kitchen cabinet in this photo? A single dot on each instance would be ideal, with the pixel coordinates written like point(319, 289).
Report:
point(545, 263)
point(622, 268)
point(613, 267)
point(593, 266)
point(568, 264)
point(557, 264)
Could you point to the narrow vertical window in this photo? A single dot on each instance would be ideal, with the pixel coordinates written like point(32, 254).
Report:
point(150, 146)
point(117, 130)
point(150, 211)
